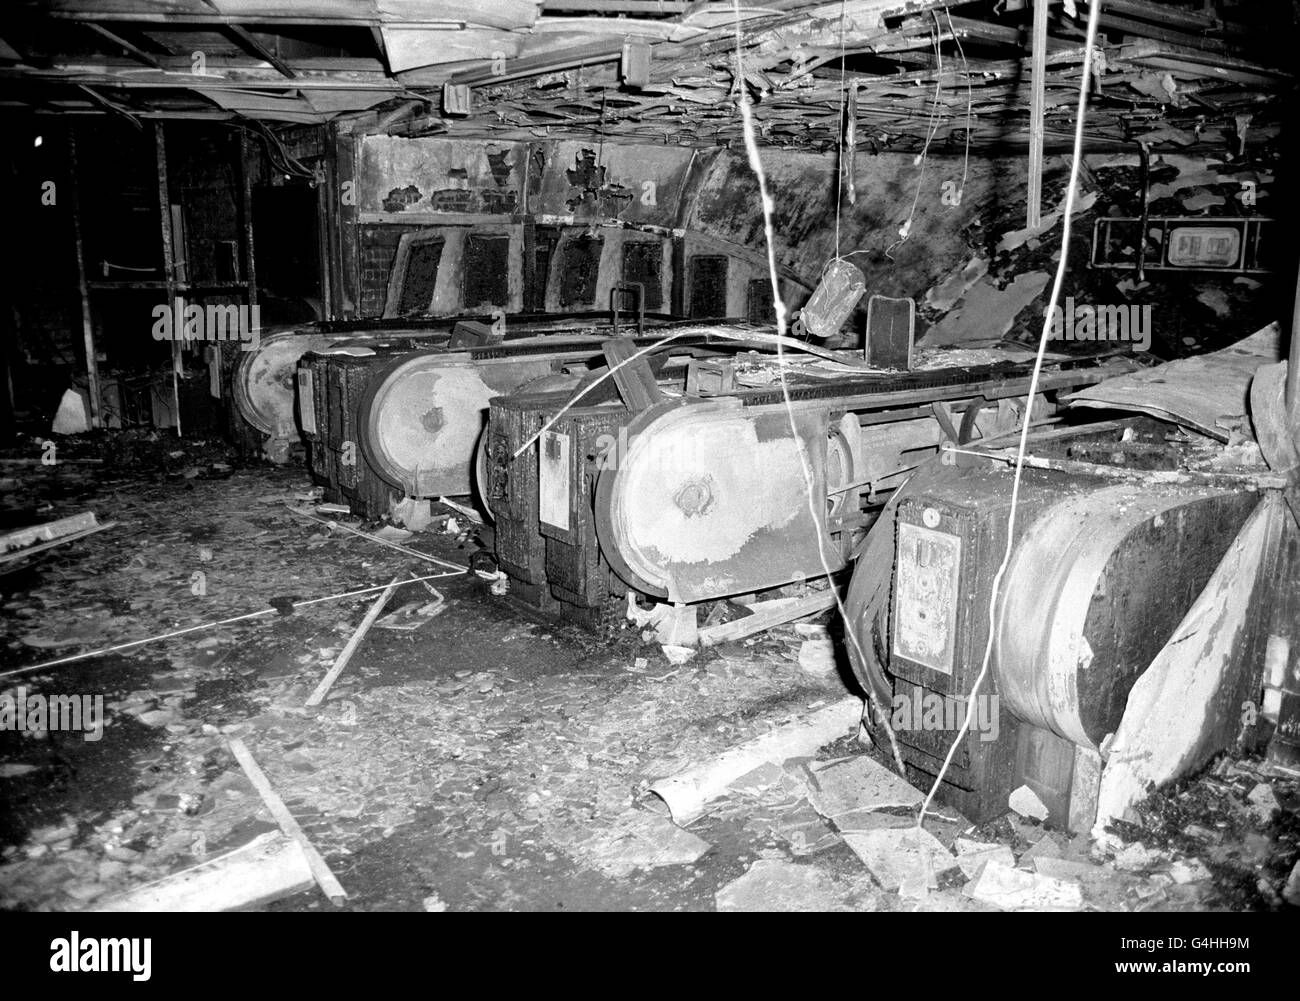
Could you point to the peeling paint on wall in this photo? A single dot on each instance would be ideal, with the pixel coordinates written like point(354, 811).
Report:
point(591, 192)
point(430, 177)
point(987, 312)
point(400, 199)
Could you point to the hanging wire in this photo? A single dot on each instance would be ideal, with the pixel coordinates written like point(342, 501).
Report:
point(210, 625)
point(814, 502)
point(905, 230)
point(970, 101)
point(839, 159)
point(1070, 192)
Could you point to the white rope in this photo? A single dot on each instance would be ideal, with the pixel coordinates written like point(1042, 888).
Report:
point(814, 502)
point(743, 336)
point(839, 159)
point(206, 625)
point(970, 101)
point(1093, 8)
point(905, 230)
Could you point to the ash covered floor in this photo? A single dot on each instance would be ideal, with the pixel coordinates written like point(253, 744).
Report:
point(489, 759)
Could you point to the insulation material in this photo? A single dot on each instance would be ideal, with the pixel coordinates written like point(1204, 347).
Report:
point(947, 293)
point(986, 312)
point(328, 103)
point(411, 48)
point(268, 107)
point(1186, 706)
point(308, 106)
point(1207, 393)
point(688, 793)
point(1012, 240)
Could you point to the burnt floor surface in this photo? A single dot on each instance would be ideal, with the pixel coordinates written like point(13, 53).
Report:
point(489, 759)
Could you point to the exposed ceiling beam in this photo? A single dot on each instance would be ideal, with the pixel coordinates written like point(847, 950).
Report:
point(108, 105)
point(214, 18)
point(552, 62)
point(255, 48)
point(250, 78)
point(380, 47)
point(123, 44)
point(644, 7)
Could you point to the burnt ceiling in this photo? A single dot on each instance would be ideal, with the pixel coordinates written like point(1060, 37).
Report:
point(1172, 75)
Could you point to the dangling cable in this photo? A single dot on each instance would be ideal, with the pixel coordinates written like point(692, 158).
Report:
point(1070, 192)
point(814, 502)
point(970, 101)
point(839, 159)
point(905, 230)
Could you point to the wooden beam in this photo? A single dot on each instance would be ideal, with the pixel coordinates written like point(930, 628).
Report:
point(169, 256)
point(551, 62)
point(50, 531)
point(341, 661)
point(22, 554)
point(128, 76)
point(268, 868)
point(1180, 17)
point(251, 45)
point(247, 157)
point(123, 44)
point(109, 106)
point(87, 324)
point(1038, 74)
point(765, 615)
point(378, 36)
point(646, 7)
point(325, 879)
point(633, 376)
point(1140, 29)
point(483, 15)
point(362, 17)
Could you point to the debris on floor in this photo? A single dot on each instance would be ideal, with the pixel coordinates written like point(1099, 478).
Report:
point(534, 763)
point(776, 885)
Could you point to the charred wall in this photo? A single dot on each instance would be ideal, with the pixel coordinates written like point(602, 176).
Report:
point(973, 269)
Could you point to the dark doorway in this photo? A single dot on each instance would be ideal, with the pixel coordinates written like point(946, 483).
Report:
point(544, 239)
point(708, 286)
point(643, 263)
point(581, 268)
point(487, 271)
point(287, 237)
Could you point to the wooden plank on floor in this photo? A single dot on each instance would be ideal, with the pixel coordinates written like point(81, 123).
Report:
point(633, 376)
point(268, 868)
point(21, 538)
point(330, 886)
point(765, 615)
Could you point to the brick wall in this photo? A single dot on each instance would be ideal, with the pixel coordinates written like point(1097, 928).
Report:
point(378, 248)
